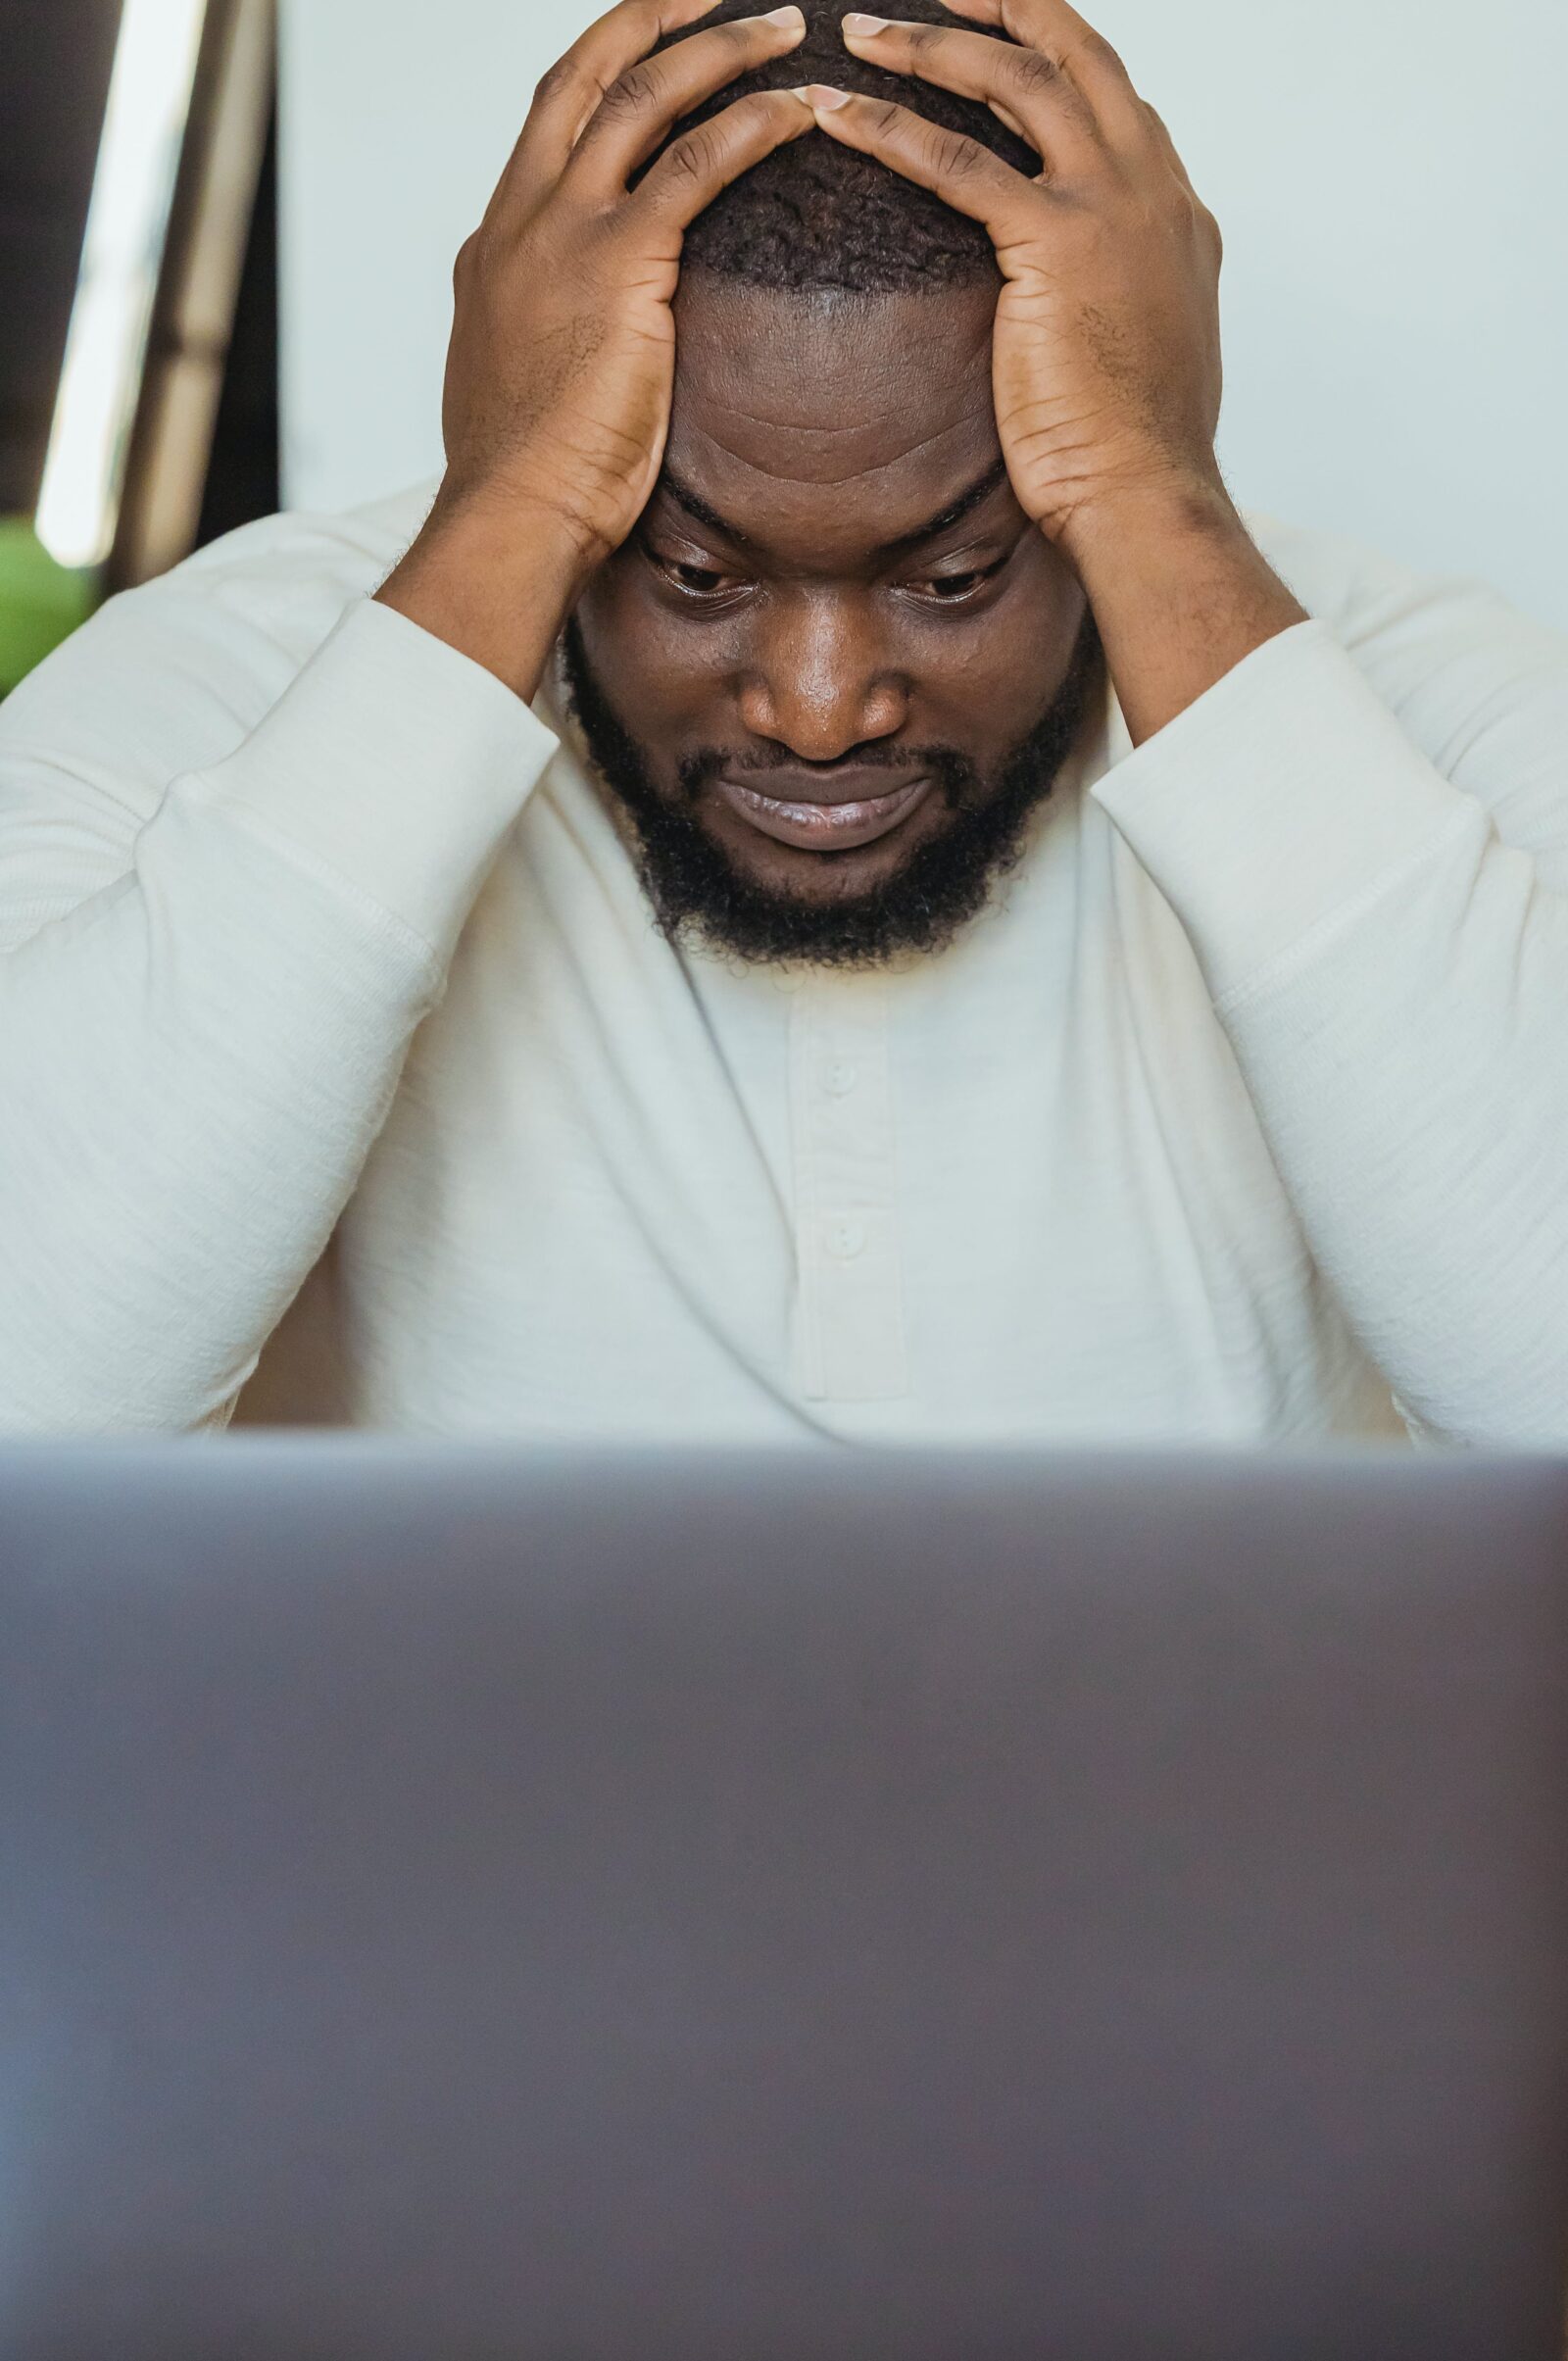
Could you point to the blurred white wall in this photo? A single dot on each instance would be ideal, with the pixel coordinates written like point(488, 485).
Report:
point(1389, 174)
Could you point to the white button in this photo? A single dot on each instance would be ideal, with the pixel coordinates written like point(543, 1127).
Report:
point(845, 1238)
point(839, 1077)
point(788, 979)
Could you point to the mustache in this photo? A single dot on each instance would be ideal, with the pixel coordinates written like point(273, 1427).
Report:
point(957, 775)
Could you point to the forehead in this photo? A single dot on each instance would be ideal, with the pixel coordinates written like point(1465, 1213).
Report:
point(826, 423)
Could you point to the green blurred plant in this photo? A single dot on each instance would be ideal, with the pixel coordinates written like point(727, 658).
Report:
point(41, 603)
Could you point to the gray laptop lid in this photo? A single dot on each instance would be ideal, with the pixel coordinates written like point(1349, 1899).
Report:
point(462, 1904)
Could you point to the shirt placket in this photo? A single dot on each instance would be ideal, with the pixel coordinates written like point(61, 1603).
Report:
point(850, 1341)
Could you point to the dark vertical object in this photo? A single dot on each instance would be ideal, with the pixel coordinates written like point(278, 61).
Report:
point(212, 227)
point(243, 480)
point(55, 57)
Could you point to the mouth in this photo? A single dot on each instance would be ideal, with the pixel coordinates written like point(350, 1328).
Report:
point(824, 827)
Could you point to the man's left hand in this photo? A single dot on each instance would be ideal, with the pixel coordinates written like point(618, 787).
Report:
point(1107, 367)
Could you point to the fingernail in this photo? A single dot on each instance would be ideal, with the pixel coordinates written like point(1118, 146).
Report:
point(790, 17)
point(824, 98)
point(864, 26)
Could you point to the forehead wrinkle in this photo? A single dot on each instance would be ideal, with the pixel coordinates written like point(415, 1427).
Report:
point(956, 511)
point(864, 419)
point(868, 476)
point(738, 440)
point(857, 425)
point(733, 355)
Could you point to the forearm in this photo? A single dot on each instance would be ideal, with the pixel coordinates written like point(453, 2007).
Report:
point(196, 1058)
point(494, 584)
point(1182, 595)
point(1411, 1082)
point(1391, 977)
point(194, 1070)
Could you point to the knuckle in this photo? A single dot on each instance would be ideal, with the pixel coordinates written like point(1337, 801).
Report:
point(888, 115)
point(554, 82)
point(477, 257)
point(631, 92)
point(1036, 73)
point(694, 155)
point(956, 157)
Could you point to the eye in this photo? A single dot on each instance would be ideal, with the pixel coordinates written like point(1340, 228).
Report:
point(951, 590)
point(694, 581)
point(953, 586)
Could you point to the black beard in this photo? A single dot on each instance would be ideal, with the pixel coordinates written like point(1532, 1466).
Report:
point(697, 892)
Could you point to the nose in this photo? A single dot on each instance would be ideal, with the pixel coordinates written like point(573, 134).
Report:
point(818, 680)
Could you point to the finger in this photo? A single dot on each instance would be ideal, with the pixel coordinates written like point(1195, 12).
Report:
point(649, 99)
point(701, 163)
point(1041, 95)
point(1060, 32)
point(959, 170)
point(566, 99)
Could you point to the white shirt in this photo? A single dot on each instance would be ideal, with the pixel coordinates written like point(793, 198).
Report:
point(326, 981)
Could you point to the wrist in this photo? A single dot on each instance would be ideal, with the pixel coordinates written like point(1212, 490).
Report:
point(1128, 529)
point(1179, 559)
point(495, 583)
point(1182, 595)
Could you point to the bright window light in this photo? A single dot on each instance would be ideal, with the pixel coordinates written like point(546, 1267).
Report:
point(144, 131)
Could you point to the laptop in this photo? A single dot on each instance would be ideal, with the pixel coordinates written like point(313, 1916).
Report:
point(463, 1902)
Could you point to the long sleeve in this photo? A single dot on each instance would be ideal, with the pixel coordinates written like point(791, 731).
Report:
point(1364, 832)
point(230, 887)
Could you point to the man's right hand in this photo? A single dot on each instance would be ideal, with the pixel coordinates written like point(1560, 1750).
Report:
point(563, 360)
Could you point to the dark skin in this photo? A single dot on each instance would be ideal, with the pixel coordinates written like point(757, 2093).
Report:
point(829, 435)
point(1105, 376)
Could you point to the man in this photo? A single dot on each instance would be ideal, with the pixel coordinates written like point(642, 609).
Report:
point(974, 941)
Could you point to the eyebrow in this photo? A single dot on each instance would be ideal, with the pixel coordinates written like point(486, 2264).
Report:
point(703, 512)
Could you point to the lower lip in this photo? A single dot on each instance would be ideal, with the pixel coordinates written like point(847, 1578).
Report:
point(824, 827)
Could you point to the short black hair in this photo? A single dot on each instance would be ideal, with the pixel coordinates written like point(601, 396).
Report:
point(818, 214)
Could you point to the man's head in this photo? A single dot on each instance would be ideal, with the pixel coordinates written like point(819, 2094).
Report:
point(835, 670)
